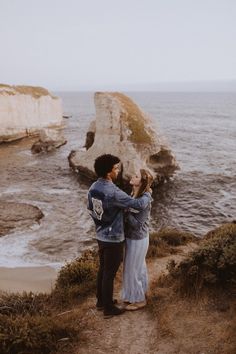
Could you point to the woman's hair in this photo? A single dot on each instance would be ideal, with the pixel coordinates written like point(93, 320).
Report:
point(104, 164)
point(146, 182)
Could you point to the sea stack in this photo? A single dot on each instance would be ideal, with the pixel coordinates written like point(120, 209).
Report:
point(122, 129)
point(25, 110)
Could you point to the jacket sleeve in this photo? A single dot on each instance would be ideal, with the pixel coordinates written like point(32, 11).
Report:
point(123, 200)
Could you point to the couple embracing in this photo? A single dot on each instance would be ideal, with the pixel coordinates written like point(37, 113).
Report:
point(120, 220)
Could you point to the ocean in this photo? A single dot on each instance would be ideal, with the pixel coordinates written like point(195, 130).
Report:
point(201, 131)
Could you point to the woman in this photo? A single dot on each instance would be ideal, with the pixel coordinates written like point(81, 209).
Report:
point(135, 278)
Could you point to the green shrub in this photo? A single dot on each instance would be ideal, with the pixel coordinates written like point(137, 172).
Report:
point(158, 247)
point(212, 264)
point(163, 242)
point(79, 276)
point(174, 237)
point(34, 335)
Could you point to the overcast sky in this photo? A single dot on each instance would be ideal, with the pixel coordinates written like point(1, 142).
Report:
point(83, 44)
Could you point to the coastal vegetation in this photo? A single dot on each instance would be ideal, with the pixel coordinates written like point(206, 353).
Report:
point(164, 242)
point(44, 323)
point(78, 278)
point(190, 295)
point(34, 91)
point(135, 120)
point(194, 301)
point(212, 265)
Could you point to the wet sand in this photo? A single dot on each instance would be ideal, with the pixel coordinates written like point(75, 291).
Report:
point(20, 279)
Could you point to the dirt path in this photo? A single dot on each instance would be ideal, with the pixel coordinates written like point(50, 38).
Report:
point(131, 333)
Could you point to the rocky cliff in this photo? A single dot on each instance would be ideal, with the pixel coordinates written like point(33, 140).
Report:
point(122, 129)
point(24, 110)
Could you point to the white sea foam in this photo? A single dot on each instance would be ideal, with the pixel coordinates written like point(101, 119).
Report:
point(13, 189)
point(14, 252)
point(56, 191)
point(13, 247)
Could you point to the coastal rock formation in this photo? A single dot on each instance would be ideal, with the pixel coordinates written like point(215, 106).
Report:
point(17, 215)
point(49, 139)
point(24, 110)
point(122, 129)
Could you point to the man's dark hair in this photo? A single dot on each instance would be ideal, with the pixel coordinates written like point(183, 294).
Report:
point(104, 164)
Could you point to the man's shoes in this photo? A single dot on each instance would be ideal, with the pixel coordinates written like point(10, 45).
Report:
point(100, 307)
point(114, 311)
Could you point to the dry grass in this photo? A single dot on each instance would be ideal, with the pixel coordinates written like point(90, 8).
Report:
point(165, 241)
point(36, 334)
point(189, 325)
point(33, 91)
point(32, 323)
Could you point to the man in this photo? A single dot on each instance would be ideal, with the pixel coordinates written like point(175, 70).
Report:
point(106, 203)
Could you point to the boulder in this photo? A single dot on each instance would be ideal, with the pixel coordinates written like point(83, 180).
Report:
point(49, 139)
point(122, 129)
point(24, 110)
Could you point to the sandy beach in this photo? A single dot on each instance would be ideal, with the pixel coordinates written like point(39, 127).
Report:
point(20, 279)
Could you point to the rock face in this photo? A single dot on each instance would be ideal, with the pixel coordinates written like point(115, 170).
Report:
point(49, 139)
point(122, 129)
point(24, 110)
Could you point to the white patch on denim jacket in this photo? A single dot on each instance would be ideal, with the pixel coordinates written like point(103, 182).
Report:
point(97, 208)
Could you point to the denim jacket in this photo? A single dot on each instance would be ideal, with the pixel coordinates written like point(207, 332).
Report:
point(106, 203)
point(137, 223)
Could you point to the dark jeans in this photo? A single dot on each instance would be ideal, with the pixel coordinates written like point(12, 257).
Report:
point(110, 256)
